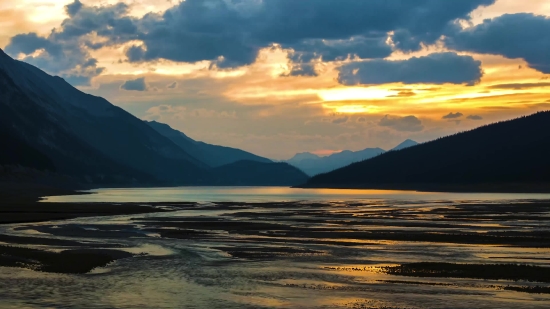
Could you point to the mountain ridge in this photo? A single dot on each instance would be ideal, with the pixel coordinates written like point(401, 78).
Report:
point(102, 128)
point(95, 142)
point(506, 154)
point(313, 164)
point(212, 155)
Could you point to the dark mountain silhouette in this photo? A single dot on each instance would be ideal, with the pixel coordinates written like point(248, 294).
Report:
point(84, 134)
point(254, 173)
point(502, 155)
point(46, 124)
point(17, 152)
point(312, 164)
point(41, 129)
point(212, 155)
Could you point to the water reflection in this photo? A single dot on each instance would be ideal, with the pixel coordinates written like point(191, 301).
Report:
point(322, 254)
point(274, 194)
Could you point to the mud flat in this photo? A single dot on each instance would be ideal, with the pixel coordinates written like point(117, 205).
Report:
point(359, 254)
point(79, 261)
point(20, 203)
point(513, 272)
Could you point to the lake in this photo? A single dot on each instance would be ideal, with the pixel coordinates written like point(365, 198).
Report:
point(271, 194)
point(295, 248)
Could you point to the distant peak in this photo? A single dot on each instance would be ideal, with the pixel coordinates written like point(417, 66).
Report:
point(304, 155)
point(373, 149)
point(406, 144)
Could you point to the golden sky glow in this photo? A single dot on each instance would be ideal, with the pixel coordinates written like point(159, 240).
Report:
point(257, 106)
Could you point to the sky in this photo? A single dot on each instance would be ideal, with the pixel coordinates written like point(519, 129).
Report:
point(279, 77)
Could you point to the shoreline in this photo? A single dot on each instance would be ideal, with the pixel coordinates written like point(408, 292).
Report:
point(21, 203)
point(438, 188)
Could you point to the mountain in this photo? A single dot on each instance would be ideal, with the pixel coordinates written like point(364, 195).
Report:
point(212, 155)
point(86, 136)
point(254, 173)
point(312, 164)
point(59, 132)
point(406, 144)
point(21, 153)
point(299, 157)
point(512, 154)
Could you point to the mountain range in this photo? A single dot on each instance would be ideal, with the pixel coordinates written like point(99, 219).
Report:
point(313, 164)
point(48, 124)
point(505, 156)
point(51, 129)
point(213, 155)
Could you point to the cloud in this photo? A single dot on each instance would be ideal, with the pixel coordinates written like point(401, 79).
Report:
point(474, 117)
point(135, 85)
point(361, 119)
point(519, 86)
point(306, 52)
point(403, 94)
point(340, 120)
point(172, 85)
point(66, 59)
point(453, 115)
point(405, 124)
point(231, 33)
point(522, 35)
point(439, 68)
point(65, 51)
point(331, 50)
point(161, 112)
point(73, 8)
point(303, 69)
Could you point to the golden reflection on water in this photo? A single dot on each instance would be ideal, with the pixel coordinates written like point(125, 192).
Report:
point(273, 194)
point(294, 255)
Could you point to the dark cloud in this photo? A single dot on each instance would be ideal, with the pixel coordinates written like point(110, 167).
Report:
point(521, 35)
point(333, 50)
point(405, 124)
point(290, 21)
point(31, 42)
point(108, 21)
point(474, 117)
point(135, 53)
point(519, 86)
point(231, 33)
point(135, 85)
point(64, 51)
point(340, 120)
point(361, 119)
point(172, 85)
point(439, 68)
point(453, 115)
point(73, 8)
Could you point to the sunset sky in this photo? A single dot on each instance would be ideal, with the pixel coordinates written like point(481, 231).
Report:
point(277, 77)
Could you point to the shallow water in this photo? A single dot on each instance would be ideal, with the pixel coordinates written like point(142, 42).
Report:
point(322, 252)
point(272, 194)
